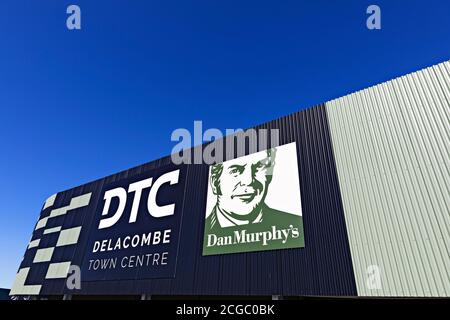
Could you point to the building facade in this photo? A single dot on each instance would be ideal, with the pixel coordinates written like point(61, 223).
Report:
point(353, 200)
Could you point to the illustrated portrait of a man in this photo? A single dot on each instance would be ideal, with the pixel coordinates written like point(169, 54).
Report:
point(240, 187)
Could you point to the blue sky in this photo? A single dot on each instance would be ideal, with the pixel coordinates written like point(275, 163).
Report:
point(79, 105)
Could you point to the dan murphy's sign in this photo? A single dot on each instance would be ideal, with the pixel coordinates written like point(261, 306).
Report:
point(136, 229)
point(254, 203)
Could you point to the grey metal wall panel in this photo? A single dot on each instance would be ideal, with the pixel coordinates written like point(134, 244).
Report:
point(392, 148)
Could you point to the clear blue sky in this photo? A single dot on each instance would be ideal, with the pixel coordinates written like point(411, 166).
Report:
point(79, 105)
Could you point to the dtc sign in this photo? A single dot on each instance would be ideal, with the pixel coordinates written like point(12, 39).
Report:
point(136, 188)
point(136, 227)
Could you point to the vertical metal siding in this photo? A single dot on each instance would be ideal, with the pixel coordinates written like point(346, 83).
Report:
point(392, 148)
point(322, 267)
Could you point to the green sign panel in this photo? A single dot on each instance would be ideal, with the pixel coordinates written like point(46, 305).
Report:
point(254, 203)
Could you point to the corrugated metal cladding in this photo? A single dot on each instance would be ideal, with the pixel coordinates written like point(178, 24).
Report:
point(322, 267)
point(374, 173)
point(392, 148)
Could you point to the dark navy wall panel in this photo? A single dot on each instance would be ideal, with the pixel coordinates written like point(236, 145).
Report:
point(322, 267)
